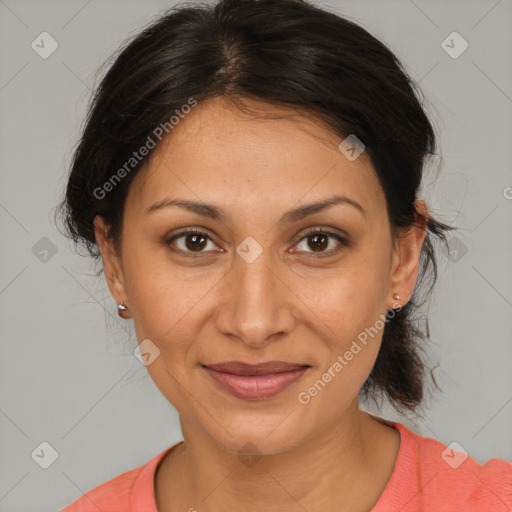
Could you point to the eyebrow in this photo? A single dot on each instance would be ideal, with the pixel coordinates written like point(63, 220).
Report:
point(216, 213)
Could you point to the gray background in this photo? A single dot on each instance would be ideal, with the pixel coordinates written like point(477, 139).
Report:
point(68, 376)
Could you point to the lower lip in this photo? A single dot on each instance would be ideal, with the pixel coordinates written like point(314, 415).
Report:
point(256, 387)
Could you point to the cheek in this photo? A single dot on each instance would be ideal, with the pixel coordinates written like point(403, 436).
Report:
point(351, 306)
point(161, 293)
point(355, 322)
point(166, 310)
point(352, 319)
point(351, 297)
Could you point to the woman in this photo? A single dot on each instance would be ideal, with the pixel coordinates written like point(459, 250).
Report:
point(249, 175)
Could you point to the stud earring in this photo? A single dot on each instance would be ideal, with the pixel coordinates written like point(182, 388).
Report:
point(121, 308)
point(396, 296)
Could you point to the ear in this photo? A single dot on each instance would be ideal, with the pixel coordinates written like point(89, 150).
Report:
point(406, 257)
point(111, 262)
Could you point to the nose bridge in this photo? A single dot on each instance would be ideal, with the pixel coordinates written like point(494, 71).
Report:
point(257, 306)
point(256, 283)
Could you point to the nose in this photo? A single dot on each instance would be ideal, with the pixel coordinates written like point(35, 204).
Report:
point(256, 303)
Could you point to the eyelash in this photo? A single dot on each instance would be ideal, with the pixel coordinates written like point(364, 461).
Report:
point(344, 242)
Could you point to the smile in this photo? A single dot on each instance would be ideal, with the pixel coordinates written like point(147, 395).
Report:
point(256, 387)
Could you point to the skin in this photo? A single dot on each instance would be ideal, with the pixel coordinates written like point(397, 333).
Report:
point(209, 305)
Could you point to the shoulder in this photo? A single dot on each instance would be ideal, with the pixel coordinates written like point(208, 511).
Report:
point(451, 474)
point(122, 493)
point(430, 475)
point(101, 497)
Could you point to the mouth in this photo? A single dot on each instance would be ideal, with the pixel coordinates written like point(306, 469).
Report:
point(255, 382)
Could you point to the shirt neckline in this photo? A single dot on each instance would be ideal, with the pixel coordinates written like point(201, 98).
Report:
point(144, 485)
point(402, 469)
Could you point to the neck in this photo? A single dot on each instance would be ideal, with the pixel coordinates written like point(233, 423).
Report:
point(344, 467)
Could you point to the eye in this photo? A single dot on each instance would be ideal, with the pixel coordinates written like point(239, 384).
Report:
point(194, 241)
point(190, 241)
point(320, 241)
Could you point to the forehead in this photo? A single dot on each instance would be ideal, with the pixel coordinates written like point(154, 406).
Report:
point(268, 154)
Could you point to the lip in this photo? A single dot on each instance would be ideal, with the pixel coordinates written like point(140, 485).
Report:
point(265, 368)
point(255, 382)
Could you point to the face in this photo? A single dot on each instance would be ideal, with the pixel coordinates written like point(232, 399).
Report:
point(253, 282)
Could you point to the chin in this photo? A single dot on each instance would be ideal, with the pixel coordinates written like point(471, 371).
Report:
point(254, 437)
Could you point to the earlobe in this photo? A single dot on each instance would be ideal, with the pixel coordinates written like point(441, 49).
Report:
point(111, 263)
point(122, 309)
point(408, 253)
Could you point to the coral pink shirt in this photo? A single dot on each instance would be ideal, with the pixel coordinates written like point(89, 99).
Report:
point(428, 476)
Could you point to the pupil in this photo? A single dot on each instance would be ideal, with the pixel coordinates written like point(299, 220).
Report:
point(194, 244)
point(320, 245)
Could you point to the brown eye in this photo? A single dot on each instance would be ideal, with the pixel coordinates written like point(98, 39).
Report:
point(194, 242)
point(190, 241)
point(317, 241)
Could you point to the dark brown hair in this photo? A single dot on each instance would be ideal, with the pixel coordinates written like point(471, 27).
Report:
point(283, 52)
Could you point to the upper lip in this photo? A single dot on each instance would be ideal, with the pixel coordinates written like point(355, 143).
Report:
point(266, 368)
